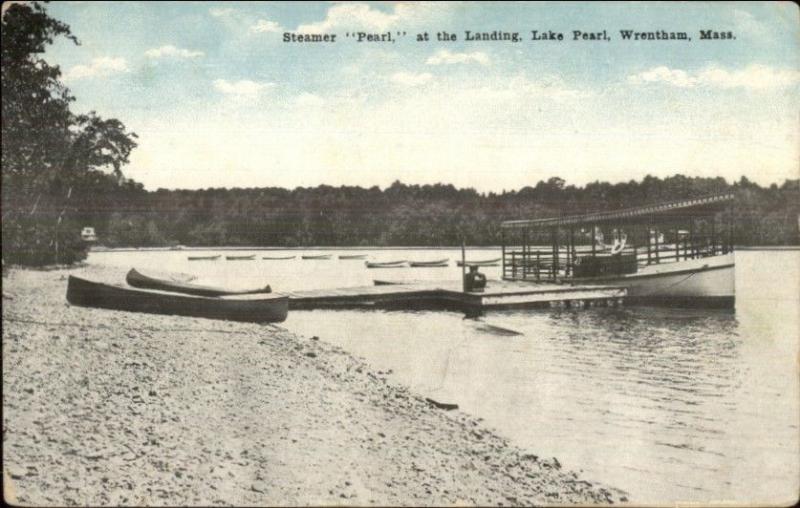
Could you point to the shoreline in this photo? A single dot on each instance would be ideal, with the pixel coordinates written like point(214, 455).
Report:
point(107, 407)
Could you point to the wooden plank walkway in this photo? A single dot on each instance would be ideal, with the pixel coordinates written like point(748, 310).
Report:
point(448, 295)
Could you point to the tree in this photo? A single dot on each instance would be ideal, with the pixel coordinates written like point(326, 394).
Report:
point(46, 149)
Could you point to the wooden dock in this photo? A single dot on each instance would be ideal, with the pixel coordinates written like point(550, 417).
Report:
point(448, 295)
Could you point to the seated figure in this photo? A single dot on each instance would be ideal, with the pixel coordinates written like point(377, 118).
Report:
point(475, 281)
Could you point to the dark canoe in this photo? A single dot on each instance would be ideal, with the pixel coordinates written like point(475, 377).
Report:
point(320, 256)
point(276, 258)
point(385, 283)
point(240, 258)
point(249, 308)
point(485, 262)
point(428, 264)
point(353, 256)
point(138, 280)
point(387, 264)
point(202, 258)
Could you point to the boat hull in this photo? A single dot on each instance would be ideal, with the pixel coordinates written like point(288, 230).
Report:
point(706, 282)
point(252, 308)
point(390, 264)
point(138, 280)
point(429, 264)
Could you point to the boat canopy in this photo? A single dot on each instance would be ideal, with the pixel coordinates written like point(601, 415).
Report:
point(683, 208)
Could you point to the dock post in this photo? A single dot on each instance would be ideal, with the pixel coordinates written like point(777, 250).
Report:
point(463, 267)
point(503, 252)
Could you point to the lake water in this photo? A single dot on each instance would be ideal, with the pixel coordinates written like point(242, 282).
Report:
point(669, 405)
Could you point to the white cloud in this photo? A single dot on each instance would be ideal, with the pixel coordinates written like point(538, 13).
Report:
point(99, 67)
point(753, 77)
point(675, 77)
point(444, 56)
point(266, 26)
point(241, 89)
point(362, 16)
point(171, 51)
point(747, 24)
point(309, 100)
point(218, 12)
point(410, 78)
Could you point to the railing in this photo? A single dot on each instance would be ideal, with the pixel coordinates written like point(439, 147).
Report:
point(524, 263)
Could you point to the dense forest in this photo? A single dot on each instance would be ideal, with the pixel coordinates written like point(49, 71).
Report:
point(426, 215)
point(62, 171)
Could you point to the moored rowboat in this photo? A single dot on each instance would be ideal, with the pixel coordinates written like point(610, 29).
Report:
point(137, 279)
point(485, 262)
point(317, 256)
point(249, 308)
point(203, 258)
point(240, 258)
point(387, 264)
point(353, 256)
point(276, 258)
point(429, 264)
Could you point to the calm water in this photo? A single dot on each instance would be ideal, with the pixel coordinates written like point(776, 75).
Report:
point(670, 405)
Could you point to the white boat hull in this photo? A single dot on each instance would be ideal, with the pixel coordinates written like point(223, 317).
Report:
point(706, 281)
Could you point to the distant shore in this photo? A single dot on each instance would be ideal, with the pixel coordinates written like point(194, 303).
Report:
point(106, 408)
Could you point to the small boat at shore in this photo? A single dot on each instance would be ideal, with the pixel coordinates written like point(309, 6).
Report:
point(317, 256)
point(203, 258)
point(352, 256)
point(249, 308)
point(387, 264)
point(139, 280)
point(485, 262)
point(278, 258)
point(241, 258)
point(429, 264)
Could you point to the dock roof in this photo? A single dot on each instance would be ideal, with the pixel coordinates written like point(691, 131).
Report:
point(682, 208)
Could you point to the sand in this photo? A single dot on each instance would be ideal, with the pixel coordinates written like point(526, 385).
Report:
point(105, 408)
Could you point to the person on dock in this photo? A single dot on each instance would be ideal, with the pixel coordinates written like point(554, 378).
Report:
point(476, 281)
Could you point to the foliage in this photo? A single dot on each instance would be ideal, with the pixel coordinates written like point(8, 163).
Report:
point(427, 215)
point(47, 151)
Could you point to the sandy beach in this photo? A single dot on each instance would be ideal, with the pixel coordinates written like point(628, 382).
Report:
point(106, 408)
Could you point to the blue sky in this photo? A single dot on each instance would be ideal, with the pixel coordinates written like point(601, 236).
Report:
point(219, 100)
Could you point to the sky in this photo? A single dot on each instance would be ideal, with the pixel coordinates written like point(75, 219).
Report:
point(219, 100)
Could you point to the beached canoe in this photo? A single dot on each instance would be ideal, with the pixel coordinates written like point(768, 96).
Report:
point(387, 264)
point(353, 256)
point(139, 280)
point(276, 258)
point(429, 264)
point(317, 256)
point(485, 262)
point(241, 258)
point(203, 258)
point(249, 308)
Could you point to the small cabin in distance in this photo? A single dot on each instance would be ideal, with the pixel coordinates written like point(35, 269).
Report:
point(88, 234)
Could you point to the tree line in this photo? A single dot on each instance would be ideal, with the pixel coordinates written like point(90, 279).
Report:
point(401, 214)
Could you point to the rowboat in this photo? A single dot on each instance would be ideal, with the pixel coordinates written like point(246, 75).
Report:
point(241, 258)
point(353, 256)
point(203, 258)
point(317, 256)
point(276, 258)
point(138, 280)
point(387, 264)
point(429, 264)
point(485, 262)
point(249, 308)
